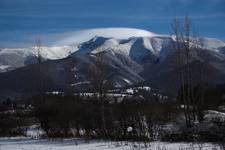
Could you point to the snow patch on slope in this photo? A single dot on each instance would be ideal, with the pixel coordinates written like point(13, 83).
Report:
point(3, 67)
point(213, 44)
point(46, 52)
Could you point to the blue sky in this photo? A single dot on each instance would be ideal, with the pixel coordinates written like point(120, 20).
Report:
point(22, 20)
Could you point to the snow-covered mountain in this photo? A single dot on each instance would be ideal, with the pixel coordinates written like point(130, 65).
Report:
point(133, 55)
point(135, 43)
point(13, 58)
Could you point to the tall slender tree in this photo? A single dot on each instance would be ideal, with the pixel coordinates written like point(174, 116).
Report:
point(101, 79)
point(185, 43)
point(39, 74)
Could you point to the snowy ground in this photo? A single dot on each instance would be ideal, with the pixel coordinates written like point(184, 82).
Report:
point(74, 144)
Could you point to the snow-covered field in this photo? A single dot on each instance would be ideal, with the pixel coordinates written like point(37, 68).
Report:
point(75, 144)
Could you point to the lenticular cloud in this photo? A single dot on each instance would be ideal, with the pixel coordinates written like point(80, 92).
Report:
point(118, 33)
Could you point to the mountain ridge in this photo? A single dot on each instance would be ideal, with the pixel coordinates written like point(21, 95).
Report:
point(133, 60)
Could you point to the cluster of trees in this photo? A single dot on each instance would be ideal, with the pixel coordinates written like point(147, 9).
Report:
point(14, 118)
point(191, 73)
point(133, 118)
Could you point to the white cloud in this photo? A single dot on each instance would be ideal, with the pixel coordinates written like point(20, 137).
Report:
point(85, 35)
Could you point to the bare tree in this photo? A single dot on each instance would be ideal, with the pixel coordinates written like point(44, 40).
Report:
point(184, 44)
point(41, 71)
point(199, 89)
point(101, 81)
point(38, 70)
point(38, 49)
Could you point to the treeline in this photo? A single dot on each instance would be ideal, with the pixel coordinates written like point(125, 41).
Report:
point(133, 118)
point(138, 118)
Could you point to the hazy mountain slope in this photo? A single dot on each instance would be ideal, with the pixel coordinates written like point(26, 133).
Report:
point(13, 58)
point(56, 74)
point(164, 77)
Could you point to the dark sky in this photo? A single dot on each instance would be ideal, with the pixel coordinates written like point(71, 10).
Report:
point(22, 20)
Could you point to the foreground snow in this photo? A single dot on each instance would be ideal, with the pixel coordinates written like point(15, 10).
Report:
point(74, 144)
